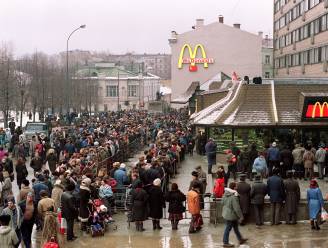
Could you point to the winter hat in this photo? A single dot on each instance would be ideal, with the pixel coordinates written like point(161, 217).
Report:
point(274, 144)
point(58, 182)
point(157, 182)
point(86, 181)
point(194, 174)
point(122, 166)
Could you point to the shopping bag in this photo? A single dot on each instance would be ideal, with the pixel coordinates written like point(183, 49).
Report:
point(324, 215)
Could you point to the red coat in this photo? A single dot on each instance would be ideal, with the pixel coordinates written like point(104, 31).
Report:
point(218, 189)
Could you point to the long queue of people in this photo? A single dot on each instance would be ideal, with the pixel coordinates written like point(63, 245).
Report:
point(80, 173)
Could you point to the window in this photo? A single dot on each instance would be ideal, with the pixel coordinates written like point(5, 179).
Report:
point(267, 59)
point(324, 23)
point(132, 91)
point(111, 91)
point(267, 74)
point(105, 107)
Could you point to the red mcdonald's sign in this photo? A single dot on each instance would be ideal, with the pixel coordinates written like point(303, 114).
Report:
point(317, 110)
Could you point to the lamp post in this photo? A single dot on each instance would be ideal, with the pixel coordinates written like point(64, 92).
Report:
point(67, 72)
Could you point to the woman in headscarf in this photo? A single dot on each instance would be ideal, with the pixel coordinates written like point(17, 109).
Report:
point(156, 203)
point(139, 198)
point(315, 203)
point(85, 195)
point(176, 208)
point(52, 160)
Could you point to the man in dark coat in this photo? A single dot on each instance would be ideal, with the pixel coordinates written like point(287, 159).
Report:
point(292, 189)
point(244, 191)
point(36, 163)
point(12, 126)
point(276, 191)
point(210, 149)
point(69, 212)
point(258, 192)
point(139, 199)
point(287, 160)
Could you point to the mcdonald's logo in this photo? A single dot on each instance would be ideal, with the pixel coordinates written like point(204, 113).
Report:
point(317, 110)
point(192, 60)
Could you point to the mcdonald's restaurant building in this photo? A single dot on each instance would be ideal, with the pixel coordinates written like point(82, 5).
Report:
point(207, 51)
point(289, 111)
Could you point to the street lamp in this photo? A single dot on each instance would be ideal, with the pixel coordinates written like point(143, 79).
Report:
point(67, 73)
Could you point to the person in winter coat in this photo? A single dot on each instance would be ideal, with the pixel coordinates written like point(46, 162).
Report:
point(29, 211)
point(202, 177)
point(210, 149)
point(36, 163)
point(25, 189)
point(156, 203)
point(276, 191)
point(253, 154)
point(260, 165)
point(8, 236)
point(44, 204)
point(120, 176)
point(293, 195)
point(85, 195)
point(298, 153)
point(315, 203)
point(106, 194)
point(244, 191)
point(175, 198)
point(218, 189)
point(308, 160)
point(273, 157)
point(286, 158)
point(195, 178)
point(6, 187)
point(21, 171)
point(193, 201)
point(69, 211)
point(258, 192)
point(56, 193)
point(16, 216)
point(139, 200)
point(231, 213)
point(320, 158)
point(244, 161)
point(51, 158)
point(50, 227)
point(38, 187)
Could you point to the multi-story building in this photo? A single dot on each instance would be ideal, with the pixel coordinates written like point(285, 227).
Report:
point(267, 57)
point(118, 88)
point(300, 38)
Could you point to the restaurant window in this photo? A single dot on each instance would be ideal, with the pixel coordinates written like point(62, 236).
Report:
point(111, 91)
point(132, 90)
point(222, 137)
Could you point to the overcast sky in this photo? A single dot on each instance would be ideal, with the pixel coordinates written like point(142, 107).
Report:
point(119, 26)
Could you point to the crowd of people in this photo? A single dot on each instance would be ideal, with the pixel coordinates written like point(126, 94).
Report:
point(80, 173)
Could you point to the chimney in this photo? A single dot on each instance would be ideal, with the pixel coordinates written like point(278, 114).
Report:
point(199, 23)
point(237, 25)
point(221, 19)
point(260, 33)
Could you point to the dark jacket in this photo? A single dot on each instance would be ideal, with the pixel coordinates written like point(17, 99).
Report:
point(175, 199)
point(258, 192)
point(156, 202)
point(210, 149)
point(21, 172)
point(85, 195)
point(37, 187)
point(287, 158)
point(244, 191)
point(292, 195)
point(276, 189)
point(68, 206)
point(36, 164)
point(151, 175)
point(139, 199)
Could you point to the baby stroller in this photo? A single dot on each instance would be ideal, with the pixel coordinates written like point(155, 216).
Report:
point(99, 219)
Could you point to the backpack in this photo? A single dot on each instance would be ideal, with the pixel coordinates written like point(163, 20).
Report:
point(51, 244)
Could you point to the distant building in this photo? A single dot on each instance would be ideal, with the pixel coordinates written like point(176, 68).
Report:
point(118, 88)
point(300, 38)
point(205, 51)
point(267, 57)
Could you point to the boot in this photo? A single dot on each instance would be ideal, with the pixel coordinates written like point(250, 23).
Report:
point(141, 227)
point(137, 226)
point(312, 225)
point(154, 224)
point(157, 225)
point(173, 224)
point(316, 225)
point(176, 222)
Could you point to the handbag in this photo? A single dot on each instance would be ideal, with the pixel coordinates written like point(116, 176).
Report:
point(324, 215)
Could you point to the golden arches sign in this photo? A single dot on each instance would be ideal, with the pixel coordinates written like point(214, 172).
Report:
point(321, 107)
point(192, 60)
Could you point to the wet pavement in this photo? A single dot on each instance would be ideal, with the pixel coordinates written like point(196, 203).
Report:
point(121, 235)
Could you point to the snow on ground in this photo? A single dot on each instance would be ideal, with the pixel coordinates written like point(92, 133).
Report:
point(17, 118)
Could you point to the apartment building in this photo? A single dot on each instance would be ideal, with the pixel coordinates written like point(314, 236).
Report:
point(300, 38)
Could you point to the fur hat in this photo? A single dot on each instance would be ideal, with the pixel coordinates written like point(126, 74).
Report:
point(86, 182)
point(157, 182)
